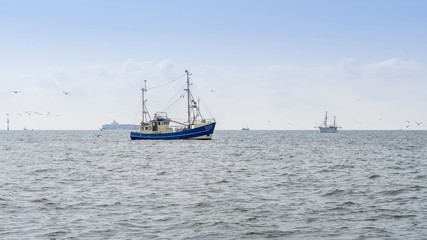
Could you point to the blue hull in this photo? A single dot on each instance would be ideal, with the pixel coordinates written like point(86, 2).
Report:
point(206, 130)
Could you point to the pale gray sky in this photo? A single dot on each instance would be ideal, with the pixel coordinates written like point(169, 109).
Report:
point(266, 65)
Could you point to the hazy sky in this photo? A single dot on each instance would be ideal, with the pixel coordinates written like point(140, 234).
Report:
point(262, 64)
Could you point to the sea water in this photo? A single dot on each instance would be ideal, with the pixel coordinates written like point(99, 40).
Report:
point(240, 185)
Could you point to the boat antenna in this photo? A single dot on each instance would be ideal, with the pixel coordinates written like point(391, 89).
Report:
point(188, 97)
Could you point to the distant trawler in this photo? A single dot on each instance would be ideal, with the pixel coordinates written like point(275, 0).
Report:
point(324, 128)
point(116, 126)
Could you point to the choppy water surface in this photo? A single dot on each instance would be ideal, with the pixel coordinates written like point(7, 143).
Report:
point(241, 185)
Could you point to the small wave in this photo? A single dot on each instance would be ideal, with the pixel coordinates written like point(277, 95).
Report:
point(241, 209)
point(417, 187)
point(222, 181)
point(370, 230)
point(164, 219)
point(348, 203)
point(218, 223)
point(237, 154)
point(334, 192)
point(197, 224)
point(59, 233)
point(394, 192)
point(343, 166)
point(202, 204)
point(41, 170)
point(404, 216)
point(40, 200)
point(270, 234)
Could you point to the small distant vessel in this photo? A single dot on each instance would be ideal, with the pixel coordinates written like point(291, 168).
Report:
point(116, 126)
point(196, 127)
point(324, 128)
point(245, 128)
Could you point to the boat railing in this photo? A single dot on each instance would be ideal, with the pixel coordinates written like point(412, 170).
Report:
point(161, 115)
point(208, 120)
point(179, 128)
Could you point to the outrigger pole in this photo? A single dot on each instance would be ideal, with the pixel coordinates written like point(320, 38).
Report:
point(143, 100)
point(188, 98)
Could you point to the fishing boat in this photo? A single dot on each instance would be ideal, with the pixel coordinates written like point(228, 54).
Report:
point(324, 128)
point(196, 127)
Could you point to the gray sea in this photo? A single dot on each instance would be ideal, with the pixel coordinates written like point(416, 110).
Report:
point(240, 185)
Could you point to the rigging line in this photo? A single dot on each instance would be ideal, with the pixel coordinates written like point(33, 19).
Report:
point(178, 108)
point(164, 84)
point(137, 112)
point(205, 108)
point(172, 101)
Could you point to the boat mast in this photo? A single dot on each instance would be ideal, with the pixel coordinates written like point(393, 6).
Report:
point(325, 123)
point(7, 121)
point(143, 100)
point(188, 97)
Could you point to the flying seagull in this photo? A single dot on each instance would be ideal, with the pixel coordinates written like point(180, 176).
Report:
point(66, 93)
point(15, 91)
point(418, 123)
